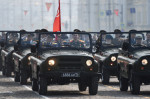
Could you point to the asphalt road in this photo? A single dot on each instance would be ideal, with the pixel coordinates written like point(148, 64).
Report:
point(11, 90)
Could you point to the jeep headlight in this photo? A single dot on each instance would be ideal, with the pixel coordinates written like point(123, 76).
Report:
point(89, 62)
point(51, 62)
point(29, 57)
point(113, 58)
point(144, 62)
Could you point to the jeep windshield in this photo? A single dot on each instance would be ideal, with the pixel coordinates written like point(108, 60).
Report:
point(12, 38)
point(113, 39)
point(140, 40)
point(3, 36)
point(77, 41)
point(28, 39)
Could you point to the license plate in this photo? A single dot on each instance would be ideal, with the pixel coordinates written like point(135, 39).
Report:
point(70, 75)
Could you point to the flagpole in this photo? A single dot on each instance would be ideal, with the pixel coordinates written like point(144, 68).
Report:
point(60, 15)
point(70, 15)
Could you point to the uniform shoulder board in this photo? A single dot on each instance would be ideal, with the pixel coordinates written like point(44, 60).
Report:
point(71, 40)
point(82, 41)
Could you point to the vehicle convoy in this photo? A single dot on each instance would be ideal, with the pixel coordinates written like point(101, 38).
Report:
point(6, 52)
point(21, 56)
point(63, 58)
point(134, 61)
point(2, 39)
point(107, 52)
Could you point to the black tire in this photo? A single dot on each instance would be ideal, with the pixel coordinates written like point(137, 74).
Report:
point(105, 76)
point(42, 86)
point(8, 70)
point(3, 71)
point(17, 77)
point(82, 86)
point(23, 77)
point(93, 86)
point(35, 85)
point(123, 84)
point(134, 84)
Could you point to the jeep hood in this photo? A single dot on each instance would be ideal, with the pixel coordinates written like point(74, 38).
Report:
point(65, 53)
point(141, 53)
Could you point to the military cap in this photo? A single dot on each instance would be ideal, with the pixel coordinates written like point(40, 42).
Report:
point(22, 30)
point(109, 37)
point(44, 30)
point(102, 31)
point(117, 31)
point(133, 30)
point(77, 30)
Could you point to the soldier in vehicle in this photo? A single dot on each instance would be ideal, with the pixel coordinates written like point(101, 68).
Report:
point(43, 36)
point(103, 36)
point(138, 40)
point(3, 35)
point(147, 41)
point(13, 38)
point(60, 41)
point(76, 42)
point(117, 40)
point(29, 39)
point(109, 40)
point(133, 35)
point(49, 40)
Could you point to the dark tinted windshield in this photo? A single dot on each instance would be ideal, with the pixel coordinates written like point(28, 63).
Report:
point(65, 40)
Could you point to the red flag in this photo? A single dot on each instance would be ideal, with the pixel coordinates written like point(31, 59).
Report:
point(57, 21)
point(116, 11)
point(48, 5)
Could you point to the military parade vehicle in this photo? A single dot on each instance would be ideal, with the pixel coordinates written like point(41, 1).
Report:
point(63, 58)
point(2, 39)
point(7, 50)
point(106, 53)
point(134, 61)
point(21, 56)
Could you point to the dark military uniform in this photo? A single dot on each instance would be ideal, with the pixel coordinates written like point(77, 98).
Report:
point(79, 43)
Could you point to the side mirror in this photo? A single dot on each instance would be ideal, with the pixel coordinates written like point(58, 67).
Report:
point(16, 47)
point(33, 48)
point(2, 44)
point(125, 46)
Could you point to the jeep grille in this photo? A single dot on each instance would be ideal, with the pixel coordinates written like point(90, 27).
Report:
point(70, 63)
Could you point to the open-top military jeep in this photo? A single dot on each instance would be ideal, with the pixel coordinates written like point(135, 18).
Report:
point(63, 58)
point(134, 61)
point(106, 54)
point(6, 52)
point(21, 56)
point(2, 40)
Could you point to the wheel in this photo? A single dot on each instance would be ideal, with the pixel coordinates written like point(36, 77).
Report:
point(105, 76)
point(17, 77)
point(123, 84)
point(42, 86)
point(34, 84)
point(93, 86)
point(8, 70)
point(134, 84)
point(82, 86)
point(3, 71)
point(23, 77)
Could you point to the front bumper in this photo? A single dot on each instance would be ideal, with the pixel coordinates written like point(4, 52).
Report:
point(58, 74)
